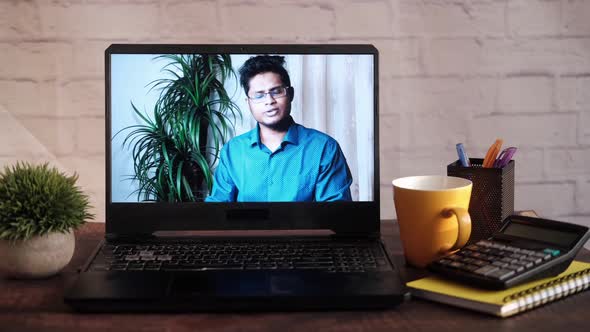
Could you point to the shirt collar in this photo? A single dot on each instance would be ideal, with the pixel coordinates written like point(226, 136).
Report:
point(292, 135)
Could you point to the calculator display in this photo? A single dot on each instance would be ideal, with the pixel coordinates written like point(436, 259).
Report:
point(560, 238)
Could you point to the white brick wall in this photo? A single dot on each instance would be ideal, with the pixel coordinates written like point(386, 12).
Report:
point(451, 70)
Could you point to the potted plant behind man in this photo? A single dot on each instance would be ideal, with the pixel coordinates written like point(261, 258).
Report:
point(174, 150)
point(39, 210)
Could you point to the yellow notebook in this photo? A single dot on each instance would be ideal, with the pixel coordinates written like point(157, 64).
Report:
point(507, 302)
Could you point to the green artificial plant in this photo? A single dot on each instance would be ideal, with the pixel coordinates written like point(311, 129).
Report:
point(36, 200)
point(176, 147)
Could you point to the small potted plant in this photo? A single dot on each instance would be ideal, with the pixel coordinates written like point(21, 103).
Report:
point(39, 209)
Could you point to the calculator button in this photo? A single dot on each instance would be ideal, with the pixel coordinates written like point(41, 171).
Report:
point(485, 250)
point(477, 255)
point(552, 252)
point(488, 258)
point(535, 260)
point(474, 247)
point(454, 257)
point(541, 255)
point(499, 264)
point(485, 270)
point(508, 260)
point(501, 274)
point(495, 252)
point(470, 268)
point(515, 268)
point(512, 249)
point(456, 264)
point(479, 262)
point(444, 261)
point(516, 256)
point(526, 263)
point(468, 260)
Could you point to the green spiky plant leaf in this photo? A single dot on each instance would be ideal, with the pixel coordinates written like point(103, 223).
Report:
point(37, 199)
point(175, 148)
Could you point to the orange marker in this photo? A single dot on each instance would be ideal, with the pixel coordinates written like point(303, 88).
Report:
point(493, 151)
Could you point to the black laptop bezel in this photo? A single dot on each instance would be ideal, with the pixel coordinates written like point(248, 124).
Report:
point(343, 218)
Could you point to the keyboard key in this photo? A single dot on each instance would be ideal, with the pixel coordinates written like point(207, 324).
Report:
point(484, 243)
point(498, 245)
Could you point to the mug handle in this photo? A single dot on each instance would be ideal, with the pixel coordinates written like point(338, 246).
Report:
point(464, 229)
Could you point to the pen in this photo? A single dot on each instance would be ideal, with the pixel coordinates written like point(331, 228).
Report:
point(505, 157)
point(493, 151)
point(462, 155)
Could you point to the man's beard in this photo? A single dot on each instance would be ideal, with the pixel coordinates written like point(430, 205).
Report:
point(281, 126)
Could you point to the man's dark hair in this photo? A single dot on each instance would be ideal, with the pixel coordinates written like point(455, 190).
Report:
point(263, 64)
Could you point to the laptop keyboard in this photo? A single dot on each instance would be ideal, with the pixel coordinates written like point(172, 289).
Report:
point(247, 255)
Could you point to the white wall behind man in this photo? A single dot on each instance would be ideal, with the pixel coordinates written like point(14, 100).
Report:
point(450, 71)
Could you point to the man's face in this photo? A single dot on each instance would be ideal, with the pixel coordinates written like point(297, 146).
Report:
point(269, 111)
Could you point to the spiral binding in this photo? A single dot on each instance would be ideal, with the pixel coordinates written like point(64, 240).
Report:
point(550, 291)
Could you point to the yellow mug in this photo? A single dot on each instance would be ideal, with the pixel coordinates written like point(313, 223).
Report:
point(432, 216)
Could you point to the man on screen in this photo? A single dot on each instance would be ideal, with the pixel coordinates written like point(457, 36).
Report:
point(279, 160)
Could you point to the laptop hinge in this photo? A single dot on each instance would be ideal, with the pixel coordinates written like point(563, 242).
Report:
point(355, 236)
point(129, 237)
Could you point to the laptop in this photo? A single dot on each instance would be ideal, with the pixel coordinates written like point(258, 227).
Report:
point(240, 177)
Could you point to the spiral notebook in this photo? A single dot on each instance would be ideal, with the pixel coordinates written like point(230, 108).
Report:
point(506, 302)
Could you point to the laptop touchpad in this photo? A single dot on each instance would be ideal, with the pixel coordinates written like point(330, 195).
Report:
point(223, 283)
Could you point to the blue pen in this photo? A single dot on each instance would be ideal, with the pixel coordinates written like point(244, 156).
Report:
point(462, 155)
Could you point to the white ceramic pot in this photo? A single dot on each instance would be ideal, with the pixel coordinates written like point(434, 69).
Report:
point(37, 257)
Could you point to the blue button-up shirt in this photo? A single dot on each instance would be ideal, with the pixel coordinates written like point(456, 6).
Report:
point(307, 166)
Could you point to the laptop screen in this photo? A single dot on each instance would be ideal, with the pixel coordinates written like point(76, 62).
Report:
point(235, 127)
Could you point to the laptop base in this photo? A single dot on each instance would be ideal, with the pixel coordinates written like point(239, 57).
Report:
point(233, 291)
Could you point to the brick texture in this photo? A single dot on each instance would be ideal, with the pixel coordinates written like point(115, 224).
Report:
point(583, 196)
point(575, 17)
point(127, 21)
point(450, 18)
point(572, 93)
point(248, 22)
point(568, 161)
point(38, 61)
point(450, 71)
point(22, 26)
point(545, 198)
point(534, 18)
point(549, 130)
point(373, 18)
point(526, 94)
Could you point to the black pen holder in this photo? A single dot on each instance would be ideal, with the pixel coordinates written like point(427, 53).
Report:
point(492, 195)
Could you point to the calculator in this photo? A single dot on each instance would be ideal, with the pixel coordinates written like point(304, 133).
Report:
point(523, 250)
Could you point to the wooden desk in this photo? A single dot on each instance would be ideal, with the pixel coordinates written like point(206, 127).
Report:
point(38, 306)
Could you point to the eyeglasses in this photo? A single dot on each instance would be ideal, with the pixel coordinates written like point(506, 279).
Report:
point(275, 93)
